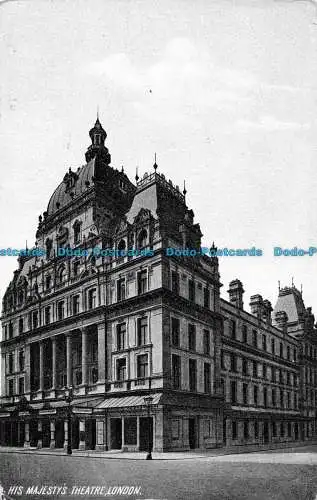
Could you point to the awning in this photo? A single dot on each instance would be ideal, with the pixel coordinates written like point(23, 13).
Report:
point(127, 401)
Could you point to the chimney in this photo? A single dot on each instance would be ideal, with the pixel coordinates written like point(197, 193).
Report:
point(267, 311)
point(256, 305)
point(281, 319)
point(236, 293)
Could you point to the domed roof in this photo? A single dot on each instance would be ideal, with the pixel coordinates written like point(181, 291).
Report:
point(73, 185)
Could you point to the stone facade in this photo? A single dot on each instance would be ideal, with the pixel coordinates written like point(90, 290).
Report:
point(153, 356)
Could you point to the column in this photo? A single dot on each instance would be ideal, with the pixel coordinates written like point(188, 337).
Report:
point(138, 433)
point(41, 388)
point(82, 435)
point(3, 371)
point(65, 434)
point(84, 356)
point(52, 431)
point(69, 360)
point(39, 431)
point(27, 435)
point(101, 352)
point(27, 361)
point(54, 340)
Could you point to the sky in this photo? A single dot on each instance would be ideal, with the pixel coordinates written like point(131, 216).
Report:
point(224, 91)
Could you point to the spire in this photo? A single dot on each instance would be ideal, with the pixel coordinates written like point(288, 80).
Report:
point(136, 174)
point(155, 164)
point(97, 148)
point(184, 190)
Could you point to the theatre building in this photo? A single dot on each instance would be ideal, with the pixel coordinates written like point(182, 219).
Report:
point(94, 335)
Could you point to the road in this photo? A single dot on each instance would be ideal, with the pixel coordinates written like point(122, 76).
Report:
point(252, 476)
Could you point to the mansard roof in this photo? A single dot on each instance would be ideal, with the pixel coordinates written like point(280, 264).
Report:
point(290, 300)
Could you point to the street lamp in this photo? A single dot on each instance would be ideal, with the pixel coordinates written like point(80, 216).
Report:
point(148, 401)
point(69, 399)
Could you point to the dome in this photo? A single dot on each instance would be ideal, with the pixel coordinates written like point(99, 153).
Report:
point(72, 186)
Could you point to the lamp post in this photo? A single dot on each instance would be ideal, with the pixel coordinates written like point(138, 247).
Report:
point(148, 401)
point(69, 399)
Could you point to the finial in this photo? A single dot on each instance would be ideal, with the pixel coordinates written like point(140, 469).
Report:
point(301, 289)
point(184, 190)
point(26, 244)
point(293, 281)
point(136, 174)
point(98, 112)
point(122, 169)
point(155, 164)
point(279, 285)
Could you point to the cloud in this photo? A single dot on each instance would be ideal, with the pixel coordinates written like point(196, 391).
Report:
point(270, 124)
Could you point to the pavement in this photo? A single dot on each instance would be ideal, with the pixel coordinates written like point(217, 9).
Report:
point(291, 455)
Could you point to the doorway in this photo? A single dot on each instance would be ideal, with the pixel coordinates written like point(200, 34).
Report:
point(146, 432)
point(192, 433)
point(116, 433)
point(266, 432)
point(59, 433)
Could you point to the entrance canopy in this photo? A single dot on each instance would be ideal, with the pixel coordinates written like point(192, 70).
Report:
point(127, 401)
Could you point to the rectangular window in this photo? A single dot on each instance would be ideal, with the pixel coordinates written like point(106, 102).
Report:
point(288, 353)
point(206, 340)
point(273, 346)
point(232, 329)
point(175, 282)
point(191, 337)
point(244, 334)
point(265, 397)
point(21, 385)
point(233, 391)
point(11, 327)
point(255, 369)
point(264, 371)
point(282, 429)
point(76, 304)
point(207, 428)
point(176, 371)
point(47, 315)
point(142, 282)
point(234, 429)
point(207, 378)
point(191, 290)
point(273, 372)
point(192, 375)
point(233, 362)
point(21, 360)
point(92, 296)
point(244, 366)
point(76, 267)
point(264, 342)
point(120, 289)
point(175, 332)
point(61, 310)
point(281, 349)
point(206, 298)
point(21, 325)
point(142, 330)
point(10, 388)
point(121, 332)
point(142, 366)
point(254, 338)
point(222, 361)
point(281, 399)
point(35, 319)
point(245, 394)
point(255, 394)
point(121, 369)
point(11, 362)
point(273, 397)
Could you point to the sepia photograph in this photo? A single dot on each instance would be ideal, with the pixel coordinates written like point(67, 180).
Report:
point(158, 249)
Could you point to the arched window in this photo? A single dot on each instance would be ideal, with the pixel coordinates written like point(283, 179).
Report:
point(142, 238)
point(48, 282)
point(48, 247)
point(121, 245)
point(77, 232)
point(61, 275)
